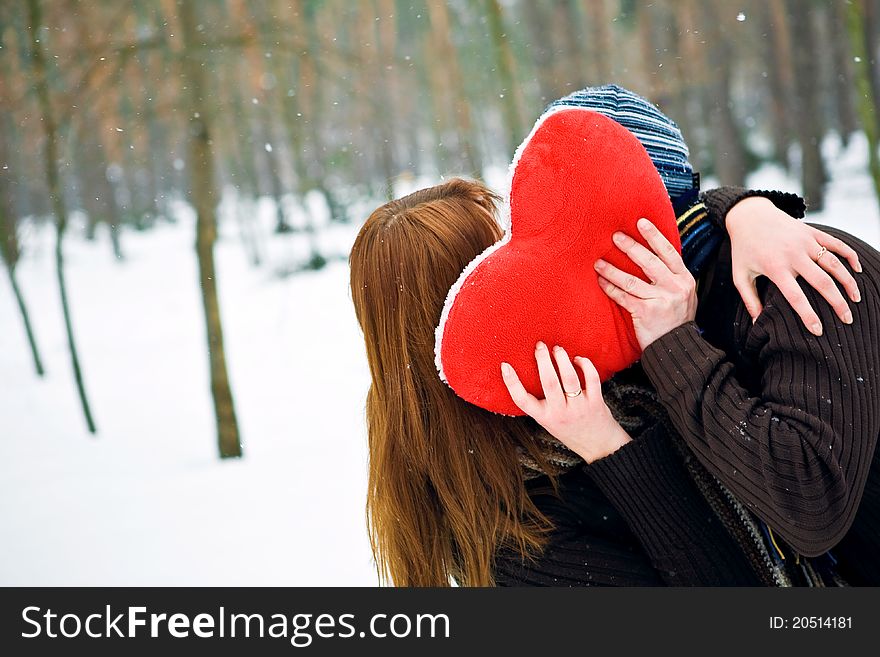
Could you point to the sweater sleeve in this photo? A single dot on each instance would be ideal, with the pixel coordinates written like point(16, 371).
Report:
point(683, 542)
point(649, 485)
point(796, 446)
point(702, 222)
point(573, 556)
point(719, 201)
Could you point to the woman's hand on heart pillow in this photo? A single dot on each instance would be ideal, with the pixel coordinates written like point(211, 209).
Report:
point(577, 417)
point(668, 301)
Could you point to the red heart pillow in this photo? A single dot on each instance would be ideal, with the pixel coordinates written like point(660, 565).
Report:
point(576, 179)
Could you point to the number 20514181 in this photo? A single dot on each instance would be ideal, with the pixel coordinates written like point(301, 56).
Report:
point(811, 623)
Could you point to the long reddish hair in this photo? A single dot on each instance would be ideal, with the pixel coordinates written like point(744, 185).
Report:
point(445, 485)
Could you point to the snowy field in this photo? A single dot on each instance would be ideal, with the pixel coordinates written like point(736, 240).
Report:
point(147, 501)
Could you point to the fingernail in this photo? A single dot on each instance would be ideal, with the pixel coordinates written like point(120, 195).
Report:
point(857, 296)
point(858, 267)
point(848, 317)
point(505, 368)
point(600, 264)
point(540, 345)
point(557, 348)
point(643, 223)
point(816, 329)
point(619, 238)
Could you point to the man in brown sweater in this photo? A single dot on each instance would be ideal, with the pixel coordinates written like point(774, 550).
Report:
point(648, 514)
point(786, 420)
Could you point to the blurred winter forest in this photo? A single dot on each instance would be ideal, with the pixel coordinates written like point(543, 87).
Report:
point(114, 114)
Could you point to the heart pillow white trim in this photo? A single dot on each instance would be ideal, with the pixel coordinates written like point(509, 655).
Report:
point(506, 224)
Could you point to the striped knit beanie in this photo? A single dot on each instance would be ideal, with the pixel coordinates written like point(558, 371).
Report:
point(658, 133)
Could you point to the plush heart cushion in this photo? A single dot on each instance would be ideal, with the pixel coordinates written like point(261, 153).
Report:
point(576, 179)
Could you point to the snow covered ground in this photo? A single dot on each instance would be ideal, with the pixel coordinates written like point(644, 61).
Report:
point(147, 501)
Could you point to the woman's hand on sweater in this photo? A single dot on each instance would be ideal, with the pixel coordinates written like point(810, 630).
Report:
point(668, 301)
point(577, 417)
point(765, 241)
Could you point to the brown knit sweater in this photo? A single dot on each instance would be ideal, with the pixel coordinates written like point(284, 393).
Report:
point(788, 421)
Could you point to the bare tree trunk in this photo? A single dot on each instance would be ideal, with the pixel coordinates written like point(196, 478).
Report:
point(668, 92)
point(145, 193)
point(601, 46)
point(678, 98)
point(730, 154)
point(99, 149)
point(262, 125)
point(441, 31)
point(321, 40)
point(387, 73)
point(568, 26)
point(842, 73)
point(542, 46)
point(441, 124)
point(25, 318)
point(807, 107)
point(50, 133)
point(241, 166)
point(9, 254)
point(157, 132)
point(692, 67)
point(10, 248)
point(509, 88)
point(120, 201)
point(868, 103)
point(780, 79)
point(646, 18)
point(201, 165)
point(273, 168)
point(300, 121)
point(871, 31)
point(239, 148)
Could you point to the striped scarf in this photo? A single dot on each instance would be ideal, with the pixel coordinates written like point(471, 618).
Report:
point(700, 237)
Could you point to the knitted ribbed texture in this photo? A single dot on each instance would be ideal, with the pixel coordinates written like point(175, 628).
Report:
point(719, 201)
point(789, 422)
point(657, 132)
point(689, 545)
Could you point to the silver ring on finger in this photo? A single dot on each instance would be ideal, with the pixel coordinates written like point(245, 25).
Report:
point(573, 394)
point(820, 253)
